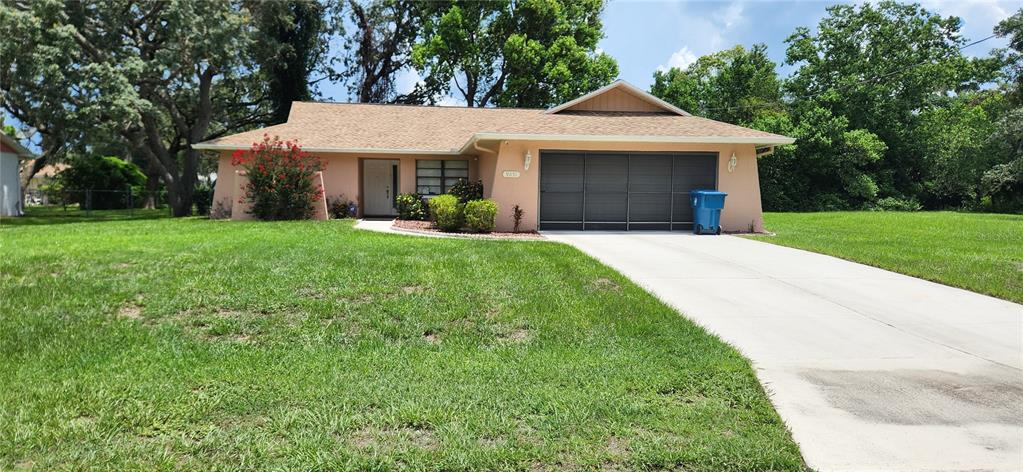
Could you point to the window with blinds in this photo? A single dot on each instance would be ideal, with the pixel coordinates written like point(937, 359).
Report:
point(435, 177)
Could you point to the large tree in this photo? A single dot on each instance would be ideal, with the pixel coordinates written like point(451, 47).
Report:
point(291, 44)
point(161, 75)
point(881, 67)
point(1003, 182)
point(36, 90)
point(377, 46)
point(526, 53)
point(829, 169)
point(735, 85)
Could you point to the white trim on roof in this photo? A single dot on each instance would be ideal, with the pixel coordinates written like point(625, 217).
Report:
point(235, 147)
point(760, 141)
point(20, 150)
point(627, 86)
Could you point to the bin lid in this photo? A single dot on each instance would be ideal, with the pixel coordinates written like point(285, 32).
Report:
point(708, 192)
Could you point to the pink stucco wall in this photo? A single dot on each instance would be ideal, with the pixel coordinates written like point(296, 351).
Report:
point(342, 177)
point(742, 207)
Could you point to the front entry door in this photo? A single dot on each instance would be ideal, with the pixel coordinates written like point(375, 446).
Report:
point(379, 184)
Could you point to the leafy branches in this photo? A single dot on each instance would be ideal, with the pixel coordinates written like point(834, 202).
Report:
point(528, 53)
point(883, 103)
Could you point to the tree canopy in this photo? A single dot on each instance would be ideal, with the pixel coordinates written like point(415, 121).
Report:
point(885, 106)
point(158, 76)
point(527, 53)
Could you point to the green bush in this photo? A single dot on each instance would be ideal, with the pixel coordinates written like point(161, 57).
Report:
point(410, 206)
point(897, 204)
point(1002, 186)
point(340, 208)
point(109, 179)
point(446, 211)
point(203, 198)
point(280, 179)
point(480, 215)
point(467, 191)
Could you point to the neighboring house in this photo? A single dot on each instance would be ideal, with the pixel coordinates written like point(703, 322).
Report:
point(11, 153)
point(617, 158)
point(44, 176)
point(34, 191)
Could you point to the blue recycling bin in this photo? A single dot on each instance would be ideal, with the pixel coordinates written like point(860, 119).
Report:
point(707, 205)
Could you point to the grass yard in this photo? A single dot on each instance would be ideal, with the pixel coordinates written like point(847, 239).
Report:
point(978, 252)
point(50, 215)
point(189, 343)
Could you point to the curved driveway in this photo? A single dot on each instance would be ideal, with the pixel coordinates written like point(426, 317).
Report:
point(870, 369)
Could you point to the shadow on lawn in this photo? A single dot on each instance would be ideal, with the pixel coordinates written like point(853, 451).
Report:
point(38, 216)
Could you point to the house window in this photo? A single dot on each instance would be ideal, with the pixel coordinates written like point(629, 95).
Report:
point(434, 177)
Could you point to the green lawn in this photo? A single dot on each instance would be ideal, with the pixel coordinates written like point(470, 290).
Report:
point(50, 215)
point(979, 252)
point(189, 343)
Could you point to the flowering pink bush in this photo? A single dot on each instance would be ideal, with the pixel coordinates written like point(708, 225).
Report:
point(280, 179)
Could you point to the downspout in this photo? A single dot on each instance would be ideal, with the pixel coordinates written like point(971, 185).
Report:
point(476, 146)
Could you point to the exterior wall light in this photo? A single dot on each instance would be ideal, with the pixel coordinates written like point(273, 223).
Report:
point(731, 163)
point(528, 159)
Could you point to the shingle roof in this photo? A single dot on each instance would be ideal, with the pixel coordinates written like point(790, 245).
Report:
point(407, 128)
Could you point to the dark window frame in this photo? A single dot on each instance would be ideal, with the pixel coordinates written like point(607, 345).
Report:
point(446, 170)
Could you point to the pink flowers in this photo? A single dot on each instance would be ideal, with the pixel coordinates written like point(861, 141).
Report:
point(280, 179)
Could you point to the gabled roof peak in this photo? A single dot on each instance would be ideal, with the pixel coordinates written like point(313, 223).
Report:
point(636, 96)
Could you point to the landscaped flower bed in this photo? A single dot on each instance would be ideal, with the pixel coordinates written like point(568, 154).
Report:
point(427, 227)
point(461, 212)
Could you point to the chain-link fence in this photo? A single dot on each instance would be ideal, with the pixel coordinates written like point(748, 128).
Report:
point(96, 202)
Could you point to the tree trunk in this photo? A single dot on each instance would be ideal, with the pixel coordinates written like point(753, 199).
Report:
point(152, 186)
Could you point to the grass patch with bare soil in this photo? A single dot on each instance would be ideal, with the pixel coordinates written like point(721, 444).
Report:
point(197, 344)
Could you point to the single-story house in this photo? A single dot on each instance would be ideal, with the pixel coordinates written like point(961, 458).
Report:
point(617, 158)
point(11, 154)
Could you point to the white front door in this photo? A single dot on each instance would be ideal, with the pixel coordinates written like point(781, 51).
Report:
point(379, 183)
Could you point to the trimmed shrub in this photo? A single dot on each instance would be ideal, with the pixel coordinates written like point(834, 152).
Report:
point(480, 215)
point(280, 179)
point(467, 191)
point(410, 206)
point(446, 211)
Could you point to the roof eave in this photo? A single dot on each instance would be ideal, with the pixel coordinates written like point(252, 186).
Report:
point(20, 150)
point(236, 147)
point(756, 141)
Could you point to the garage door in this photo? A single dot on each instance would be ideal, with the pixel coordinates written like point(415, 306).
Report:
point(621, 191)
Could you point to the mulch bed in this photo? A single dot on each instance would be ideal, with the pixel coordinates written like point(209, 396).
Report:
point(426, 227)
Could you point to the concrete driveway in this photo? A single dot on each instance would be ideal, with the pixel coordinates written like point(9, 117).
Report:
point(871, 370)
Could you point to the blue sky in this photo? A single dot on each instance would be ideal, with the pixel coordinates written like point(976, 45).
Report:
point(645, 35)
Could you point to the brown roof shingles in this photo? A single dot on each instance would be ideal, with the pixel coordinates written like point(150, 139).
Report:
point(447, 129)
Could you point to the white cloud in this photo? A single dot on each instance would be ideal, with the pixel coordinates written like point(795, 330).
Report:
point(708, 34)
point(979, 18)
point(406, 80)
point(730, 16)
point(679, 59)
